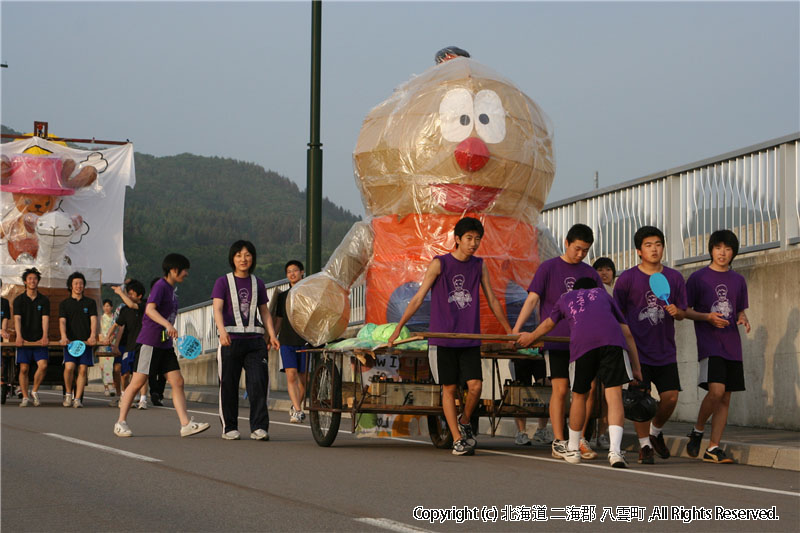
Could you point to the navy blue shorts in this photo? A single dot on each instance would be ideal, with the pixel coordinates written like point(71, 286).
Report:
point(292, 359)
point(86, 358)
point(30, 355)
point(127, 360)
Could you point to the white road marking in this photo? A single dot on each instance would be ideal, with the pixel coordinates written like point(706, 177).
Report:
point(551, 460)
point(104, 448)
point(391, 525)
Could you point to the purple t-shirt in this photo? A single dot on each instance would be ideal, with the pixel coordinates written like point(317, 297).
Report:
point(652, 327)
point(719, 292)
point(243, 288)
point(593, 319)
point(163, 295)
point(455, 300)
point(553, 278)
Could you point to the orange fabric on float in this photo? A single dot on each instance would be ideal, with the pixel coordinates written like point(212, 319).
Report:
point(401, 255)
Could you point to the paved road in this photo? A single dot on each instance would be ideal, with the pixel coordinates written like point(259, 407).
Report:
point(63, 469)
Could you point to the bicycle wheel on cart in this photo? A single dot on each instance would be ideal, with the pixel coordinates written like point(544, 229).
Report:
point(326, 393)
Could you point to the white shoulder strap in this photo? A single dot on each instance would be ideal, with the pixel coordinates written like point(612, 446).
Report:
point(237, 315)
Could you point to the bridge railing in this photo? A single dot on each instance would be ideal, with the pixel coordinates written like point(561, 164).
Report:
point(753, 191)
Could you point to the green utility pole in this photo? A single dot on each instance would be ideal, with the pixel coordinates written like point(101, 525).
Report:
point(314, 159)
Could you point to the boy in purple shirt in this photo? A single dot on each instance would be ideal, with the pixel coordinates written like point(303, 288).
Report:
point(154, 353)
point(453, 280)
point(652, 324)
point(598, 334)
point(717, 300)
point(553, 278)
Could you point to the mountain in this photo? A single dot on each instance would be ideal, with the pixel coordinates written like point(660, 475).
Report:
point(198, 206)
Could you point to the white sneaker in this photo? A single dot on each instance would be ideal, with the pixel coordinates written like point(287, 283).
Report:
point(560, 451)
point(521, 439)
point(232, 435)
point(259, 434)
point(121, 429)
point(24, 402)
point(294, 417)
point(76, 403)
point(67, 400)
point(617, 460)
point(142, 404)
point(603, 442)
point(107, 392)
point(35, 396)
point(192, 428)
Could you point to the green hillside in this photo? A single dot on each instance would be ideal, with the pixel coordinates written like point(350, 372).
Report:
point(198, 206)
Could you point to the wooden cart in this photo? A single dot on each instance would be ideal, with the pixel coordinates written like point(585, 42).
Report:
point(328, 397)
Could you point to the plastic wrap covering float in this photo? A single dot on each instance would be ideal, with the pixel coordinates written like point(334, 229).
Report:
point(457, 140)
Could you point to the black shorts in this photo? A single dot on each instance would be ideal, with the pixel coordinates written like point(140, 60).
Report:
point(528, 371)
point(717, 369)
point(557, 363)
point(608, 363)
point(457, 365)
point(664, 377)
point(155, 361)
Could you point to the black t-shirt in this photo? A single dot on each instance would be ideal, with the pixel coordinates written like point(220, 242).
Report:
point(31, 313)
point(132, 320)
point(78, 313)
point(287, 335)
point(5, 310)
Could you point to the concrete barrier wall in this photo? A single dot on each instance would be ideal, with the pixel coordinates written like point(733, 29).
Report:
point(771, 351)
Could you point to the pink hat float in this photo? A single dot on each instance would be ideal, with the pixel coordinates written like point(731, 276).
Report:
point(39, 175)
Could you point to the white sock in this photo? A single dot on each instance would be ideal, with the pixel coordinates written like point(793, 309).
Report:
point(644, 441)
point(698, 430)
point(574, 440)
point(712, 448)
point(615, 438)
point(654, 431)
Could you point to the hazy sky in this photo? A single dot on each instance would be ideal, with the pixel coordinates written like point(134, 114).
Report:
point(632, 88)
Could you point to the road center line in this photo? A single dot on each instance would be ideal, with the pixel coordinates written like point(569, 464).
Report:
point(391, 525)
point(104, 448)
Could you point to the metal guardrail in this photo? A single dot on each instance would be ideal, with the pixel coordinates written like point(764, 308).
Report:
point(754, 191)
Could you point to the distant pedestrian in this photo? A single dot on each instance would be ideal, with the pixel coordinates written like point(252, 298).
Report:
point(293, 363)
point(155, 353)
point(77, 321)
point(104, 357)
point(31, 321)
point(244, 326)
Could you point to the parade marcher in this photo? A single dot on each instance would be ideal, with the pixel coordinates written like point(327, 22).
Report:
point(454, 280)
point(243, 324)
point(77, 321)
point(155, 353)
point(31, 321)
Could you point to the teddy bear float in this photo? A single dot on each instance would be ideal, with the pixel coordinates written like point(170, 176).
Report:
point(32, 232)
point(458, 140)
